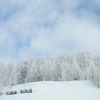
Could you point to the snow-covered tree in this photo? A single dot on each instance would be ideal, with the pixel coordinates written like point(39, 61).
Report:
point(83, 60)
point(22, 71)
point(67, 67)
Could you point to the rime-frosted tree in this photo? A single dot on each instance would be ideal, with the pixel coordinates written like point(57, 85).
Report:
point(22, 71)
point(83, 60)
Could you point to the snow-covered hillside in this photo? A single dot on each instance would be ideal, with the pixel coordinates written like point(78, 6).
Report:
point(75, 90)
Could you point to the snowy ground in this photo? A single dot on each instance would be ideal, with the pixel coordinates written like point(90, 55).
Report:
point(75, 90)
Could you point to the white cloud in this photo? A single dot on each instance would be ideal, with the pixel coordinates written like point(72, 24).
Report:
point(35, 27)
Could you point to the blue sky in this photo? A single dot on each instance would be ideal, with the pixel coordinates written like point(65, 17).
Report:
point(31, 28)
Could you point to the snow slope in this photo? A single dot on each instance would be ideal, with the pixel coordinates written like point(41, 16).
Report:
point(74, 90)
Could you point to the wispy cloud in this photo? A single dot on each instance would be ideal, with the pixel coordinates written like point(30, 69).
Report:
point(31, 28)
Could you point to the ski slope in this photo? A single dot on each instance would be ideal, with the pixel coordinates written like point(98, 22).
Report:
point(74, 90)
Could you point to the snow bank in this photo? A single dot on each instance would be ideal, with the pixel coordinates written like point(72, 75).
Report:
point(74, 90)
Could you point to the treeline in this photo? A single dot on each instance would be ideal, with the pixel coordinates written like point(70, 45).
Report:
point(67, 66)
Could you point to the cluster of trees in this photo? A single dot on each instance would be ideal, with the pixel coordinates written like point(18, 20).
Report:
point(67, 66)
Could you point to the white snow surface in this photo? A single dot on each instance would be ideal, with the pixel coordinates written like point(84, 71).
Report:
point(73, 90)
